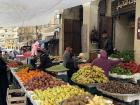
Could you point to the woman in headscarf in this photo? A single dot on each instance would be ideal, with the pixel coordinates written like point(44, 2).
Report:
point(104, 63)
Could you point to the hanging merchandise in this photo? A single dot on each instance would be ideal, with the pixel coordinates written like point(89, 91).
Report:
point(32, 12)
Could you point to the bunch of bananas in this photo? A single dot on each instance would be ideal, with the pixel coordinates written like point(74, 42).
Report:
point(89, 75)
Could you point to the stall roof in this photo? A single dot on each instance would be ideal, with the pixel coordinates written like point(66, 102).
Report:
point(32, 12)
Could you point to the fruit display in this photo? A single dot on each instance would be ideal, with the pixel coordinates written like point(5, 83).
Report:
point(26, 75)
point(57, 68)
point(120, 71)
point(120, 87)
point(89, 75)
point(99, 100)
point(22, 67)
point(78, 100)
point(132, 66)
point(43, 82)
point(13, 64)
point(54, 96)
point(85, 64)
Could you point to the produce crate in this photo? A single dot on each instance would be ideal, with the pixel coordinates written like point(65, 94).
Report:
point(16, 97)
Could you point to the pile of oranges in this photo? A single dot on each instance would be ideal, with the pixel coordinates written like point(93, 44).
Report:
point(25, 75)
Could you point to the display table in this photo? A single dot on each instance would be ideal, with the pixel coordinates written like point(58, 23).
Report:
point(135, 77)
point(28, 93)
point(124, 97)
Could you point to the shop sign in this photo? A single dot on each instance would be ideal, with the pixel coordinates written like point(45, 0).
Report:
point(138, 29)
point(123, 6)
point(125, 3)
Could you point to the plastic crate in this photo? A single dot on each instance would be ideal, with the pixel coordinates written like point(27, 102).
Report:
point(16, 97)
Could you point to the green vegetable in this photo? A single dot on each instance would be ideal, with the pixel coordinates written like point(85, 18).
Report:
point(57, 68)
point(116, 55)
point(120, 71)
point(128, 56)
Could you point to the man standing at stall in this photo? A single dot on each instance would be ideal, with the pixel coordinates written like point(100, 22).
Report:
point(45, 61)
point(3, 81)
point(106, 43)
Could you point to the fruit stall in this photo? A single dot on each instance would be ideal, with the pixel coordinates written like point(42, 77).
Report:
point(44, 89)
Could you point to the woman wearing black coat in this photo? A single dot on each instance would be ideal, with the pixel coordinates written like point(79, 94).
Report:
point(3, 81)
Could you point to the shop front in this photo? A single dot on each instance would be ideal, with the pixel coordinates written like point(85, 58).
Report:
point(123, 12)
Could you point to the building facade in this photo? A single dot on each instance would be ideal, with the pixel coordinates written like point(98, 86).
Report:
point(9, 38)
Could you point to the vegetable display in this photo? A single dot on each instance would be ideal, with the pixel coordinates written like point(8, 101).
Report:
point(126, 55)
point(132, 66)
point(120, 71)
point(89, 75)
point(120, 87)
point(57, 68)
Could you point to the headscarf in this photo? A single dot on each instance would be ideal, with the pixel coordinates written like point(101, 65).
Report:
point(103, 54)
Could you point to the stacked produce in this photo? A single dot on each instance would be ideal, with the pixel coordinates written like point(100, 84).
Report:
point(78, 100)
point(22, 67)
point(54, 96)
point(56, 58)
point(26, 75)
point(116, 55)
point(126, 55)
point(13, 64)
point(132, 66)
point(99, 100)
point(83, 65)
point(89, 75)
point(120, 71)
point(43, 82)
point(57, 68)
point(120, 87)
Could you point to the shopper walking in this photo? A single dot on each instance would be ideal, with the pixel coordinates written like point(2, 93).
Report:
point(3, 81)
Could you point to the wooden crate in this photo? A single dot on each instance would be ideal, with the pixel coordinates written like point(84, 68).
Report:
point(15, 100)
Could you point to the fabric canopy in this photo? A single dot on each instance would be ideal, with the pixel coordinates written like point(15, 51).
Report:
point(32, 12)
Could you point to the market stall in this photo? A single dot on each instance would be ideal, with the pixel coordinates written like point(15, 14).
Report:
point(43, 89)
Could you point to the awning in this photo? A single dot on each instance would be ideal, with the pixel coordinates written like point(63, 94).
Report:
point(32, 12)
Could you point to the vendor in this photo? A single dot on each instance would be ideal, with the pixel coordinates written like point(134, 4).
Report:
point(45, 61)
point(104, 63)
point(33, 62)
point(69, 62)
point(106, 43)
